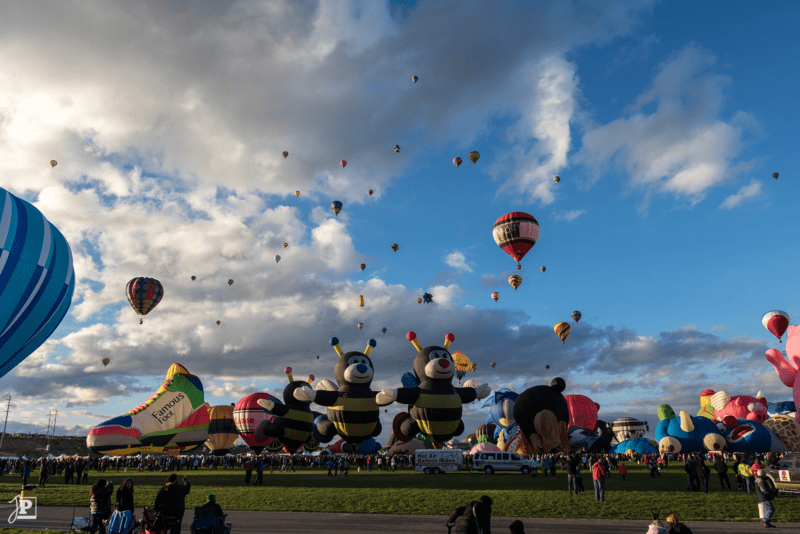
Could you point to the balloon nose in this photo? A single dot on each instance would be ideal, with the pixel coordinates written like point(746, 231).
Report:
point(444, 364)
point(362, 368)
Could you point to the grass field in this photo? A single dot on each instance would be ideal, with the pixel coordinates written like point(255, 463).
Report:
point(408, 492)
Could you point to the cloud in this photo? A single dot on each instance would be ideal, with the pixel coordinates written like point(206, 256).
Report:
point(748, 191)
point(568, 215)
point(458, 261)
point(673, 140)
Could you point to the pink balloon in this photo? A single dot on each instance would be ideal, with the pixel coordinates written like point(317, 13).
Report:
point(582, 411)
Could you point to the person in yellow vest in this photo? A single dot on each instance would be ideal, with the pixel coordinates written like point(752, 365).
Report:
point(746, 473)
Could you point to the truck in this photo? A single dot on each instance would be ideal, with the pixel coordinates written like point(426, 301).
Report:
point(438, 460)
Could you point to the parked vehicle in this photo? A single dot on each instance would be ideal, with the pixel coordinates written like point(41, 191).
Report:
point(787, 475)
point(490, 462)
point(438, 460)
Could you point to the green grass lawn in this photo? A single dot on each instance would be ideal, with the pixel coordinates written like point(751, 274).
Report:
point(408, 492)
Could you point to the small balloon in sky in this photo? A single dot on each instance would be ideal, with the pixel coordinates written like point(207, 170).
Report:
point(363, 266)
point(493, 364)
point(495, 296)
point(543, 268)
point(474, 156)
point(106, 361)
point(395, 246)
point(361, 300)
point(230, 281)
point(336, 206)
point(277, 258)
point(285, 245)
point(774, 174)
point(343, 163)
point(576, 316)
point(414, 79)
point(53, 163)
point(285, 154)
point(297, 193)
point(419, 300)
point(557, 179)
point(194, 278)
point(457, 161)
point(369, 192)
point(360, 326)
point(383, 329)
point(397, 148)
point(218, 322)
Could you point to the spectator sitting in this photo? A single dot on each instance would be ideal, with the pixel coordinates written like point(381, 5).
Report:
point(656, 527)
point(517, 527)
point(676, 527)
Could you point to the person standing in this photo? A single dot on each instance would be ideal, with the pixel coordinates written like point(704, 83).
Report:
point(746, 475)
point(703, 473)
point(330, 467)
point(26, 472)
point(599, 477)
point(623, 470)
point(171, 501)
point(765, 490)
point(248, 471)
point(125, 496)
point(721, 467)
point(572, 472)
point(259, 472)
point(100, 503)
point(68, 469)
point(474, 518)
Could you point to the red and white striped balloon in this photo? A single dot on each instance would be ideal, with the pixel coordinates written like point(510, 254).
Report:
point(777, 322)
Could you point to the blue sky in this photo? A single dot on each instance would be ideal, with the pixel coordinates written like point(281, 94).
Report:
point(664, 120)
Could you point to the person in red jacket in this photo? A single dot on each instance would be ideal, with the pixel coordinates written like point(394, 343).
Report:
point(623, 470)
point(599, 476)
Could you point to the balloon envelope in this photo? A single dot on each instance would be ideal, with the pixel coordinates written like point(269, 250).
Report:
point(474, 156)
point(106, 361)
point(370, 191)
point(360, 326)
point(297, 193)
point(277, 258)
point(383, 329)
point(343, 163)
point(774, 174)
point(516, 233)
point(397, 148)
point(247, 415)
point(194, 278)
point(776, 321)
point(53, 163)
point(419, 301)
point(562, 330)
point(515, 280)
point(414, 79)
point(463, 364)
point(495, 295)
point(557, 179)
point(457, 161)
point(576, 316)
point(543, 268)
point(285, 154)
point(395, 247)
point(336, 206)
point(144, 294)
point(230, 281)
point(222, 433)
point(363, 266)
point(37, 277)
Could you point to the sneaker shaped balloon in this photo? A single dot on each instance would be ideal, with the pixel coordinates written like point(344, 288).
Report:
point(174, 419)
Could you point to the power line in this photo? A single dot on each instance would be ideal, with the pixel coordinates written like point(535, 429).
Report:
point(8, 408)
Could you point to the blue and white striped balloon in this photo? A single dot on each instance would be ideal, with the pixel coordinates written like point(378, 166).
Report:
point(36, 279)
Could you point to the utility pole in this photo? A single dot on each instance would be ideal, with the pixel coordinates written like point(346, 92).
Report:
point(49, 416)
point(8, 408)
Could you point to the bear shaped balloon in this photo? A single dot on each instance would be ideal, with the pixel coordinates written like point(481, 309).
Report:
point(352, 410)
point(434, 404)
point(292, 422)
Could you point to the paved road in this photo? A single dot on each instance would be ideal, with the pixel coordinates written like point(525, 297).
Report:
point(59, 518)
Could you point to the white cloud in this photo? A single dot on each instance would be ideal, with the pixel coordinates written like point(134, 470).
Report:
point(457, 260)
point(570, 215)
point(673, 140)
point(748, 191)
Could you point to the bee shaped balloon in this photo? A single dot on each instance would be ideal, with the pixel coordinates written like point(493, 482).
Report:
point(434, 404)
point(352, 409)
point(293, 422)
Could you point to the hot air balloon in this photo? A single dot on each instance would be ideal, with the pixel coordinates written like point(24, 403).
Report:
point(463, 364)
point(361, 300)
point(562, 330)
point(774, 174)
point(474, 156)
point(419, 301)
point(144, 294)
point(576, 316)
point(557, 179)
point(414, 79)
point(457, 161)
point(336, 206)
point(363, 266)
point(495, 296)
point(383, 329)
point(395, 247)
point(53, 163)
point(194, 278)
point(222, 433)
point(297, 193)
point(397, 148)
point(777, 322)
point(285, 154)
point(547, 367)
point(515, 280)
point(516, 233)
point(318, 356)
point(543, 268)
point(106, 361)
point(230, 281)
point(427, 298)
point(343, 163)
point(369, 192)
point(360, 326)
point(218, 322)
point(493, 364)
point(247, 415)
point(277, 258)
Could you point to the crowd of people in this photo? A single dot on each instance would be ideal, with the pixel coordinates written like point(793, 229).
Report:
point(748, 473)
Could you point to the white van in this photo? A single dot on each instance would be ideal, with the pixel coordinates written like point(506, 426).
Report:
point(438, 460)
point(490, 462)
